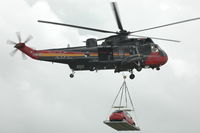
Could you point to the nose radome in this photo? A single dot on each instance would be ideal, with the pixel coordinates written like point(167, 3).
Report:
point(164, 58)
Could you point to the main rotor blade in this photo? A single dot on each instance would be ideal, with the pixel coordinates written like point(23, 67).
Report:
point(75, 26)
point(163, 39)
point(193, 19)
point(24, 57)
point(115, 9)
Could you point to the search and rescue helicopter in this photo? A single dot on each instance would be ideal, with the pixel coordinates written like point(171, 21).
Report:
point(118, 52)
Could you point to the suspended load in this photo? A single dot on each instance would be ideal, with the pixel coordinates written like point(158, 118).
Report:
point(121, 126)
point(121, 119)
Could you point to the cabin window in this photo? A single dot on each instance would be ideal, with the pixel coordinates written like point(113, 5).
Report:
point(105, 54)
point(132, 51)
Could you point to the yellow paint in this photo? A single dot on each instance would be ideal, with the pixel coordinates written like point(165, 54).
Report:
point(94, 54)
point(74, 55)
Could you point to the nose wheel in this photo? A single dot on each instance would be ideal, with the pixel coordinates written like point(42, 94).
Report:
point(158, 68)
point(72, 74)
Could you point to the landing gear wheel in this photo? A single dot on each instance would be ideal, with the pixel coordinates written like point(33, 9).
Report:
point(132, 76)
point(71, 75)
point(158, 68)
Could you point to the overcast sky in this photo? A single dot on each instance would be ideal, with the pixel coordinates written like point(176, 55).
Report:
point(39, 97)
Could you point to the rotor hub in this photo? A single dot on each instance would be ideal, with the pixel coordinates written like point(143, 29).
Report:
point(123, 32)
point(20, 45)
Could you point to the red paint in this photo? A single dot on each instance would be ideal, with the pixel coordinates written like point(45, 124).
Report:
point(34, 53)
point(27, 50)
point(120, 115)
point(155, 59)
point(59, 52)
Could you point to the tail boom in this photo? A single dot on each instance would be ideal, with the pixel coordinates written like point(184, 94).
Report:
point(27, 50)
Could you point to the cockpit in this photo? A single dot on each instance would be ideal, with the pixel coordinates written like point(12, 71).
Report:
point(154, 48)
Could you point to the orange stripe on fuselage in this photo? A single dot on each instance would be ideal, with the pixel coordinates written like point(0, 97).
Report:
point(77, 54)
point(94, 54)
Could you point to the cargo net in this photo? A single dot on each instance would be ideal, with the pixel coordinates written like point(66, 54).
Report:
point(123, 111)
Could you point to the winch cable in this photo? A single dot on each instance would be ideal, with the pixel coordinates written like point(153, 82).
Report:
point(124, 92)
point(126, 101)
point(121, 96)
point(117, 95)
point(131, 101)
point(115, 99)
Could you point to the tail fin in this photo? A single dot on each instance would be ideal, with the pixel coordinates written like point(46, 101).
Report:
point(22, 47)
point(27, 50)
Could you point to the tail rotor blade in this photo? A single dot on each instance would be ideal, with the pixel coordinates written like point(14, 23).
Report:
point(24, 56)
point(18, 37)
point(11, 42)
point(28, 39)
point(13, 52)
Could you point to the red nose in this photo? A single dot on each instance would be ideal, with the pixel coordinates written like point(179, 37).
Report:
point(163, 60)
point(163, 57)
point(156, 59)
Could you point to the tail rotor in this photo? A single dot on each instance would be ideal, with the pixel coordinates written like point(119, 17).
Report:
point(19, 45)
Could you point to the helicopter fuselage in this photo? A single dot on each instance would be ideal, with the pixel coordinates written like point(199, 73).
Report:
point(126, 56)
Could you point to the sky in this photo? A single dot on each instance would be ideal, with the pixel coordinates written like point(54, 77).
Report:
point(39, 97)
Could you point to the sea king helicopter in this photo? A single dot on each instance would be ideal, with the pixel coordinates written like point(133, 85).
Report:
point(117, 52)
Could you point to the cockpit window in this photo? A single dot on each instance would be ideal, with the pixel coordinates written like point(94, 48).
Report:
point(154, 48)
point(145, 49)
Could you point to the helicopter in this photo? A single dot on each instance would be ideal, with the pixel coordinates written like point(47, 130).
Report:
point(117, 52)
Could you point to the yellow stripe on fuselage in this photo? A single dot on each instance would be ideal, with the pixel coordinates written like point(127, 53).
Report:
point(74, 55)
point(94, 54)
point(117, 54)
